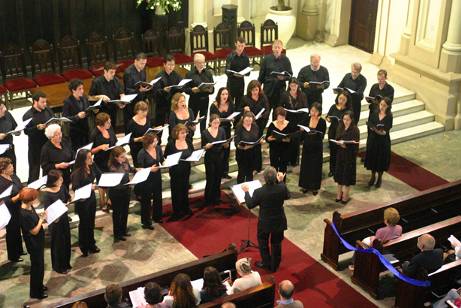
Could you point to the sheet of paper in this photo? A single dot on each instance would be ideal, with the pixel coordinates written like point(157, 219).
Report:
point(240, 194)
point(454, 241)
point(183, 82)
point(4, 148)
point(259, 114)
point(55, 210)
point(171, 160)
point(128, 97)
point(110, 179)
point(61, 119)
point(137, 297)
point(5, 216)
point(196, 155)
point(222, 141)
point(197, 284)
point(233, 115)
point(122, 141)
point(279, 133)
point(305, 128)
point(252, 142)
point(83, 193)
point(204, 84)
point(245, 70)
point(96, 105)
point(88, 147)
point(140, 176)
point(154, 81)
point(20, 127)
point(38, 183)
point(6, 192)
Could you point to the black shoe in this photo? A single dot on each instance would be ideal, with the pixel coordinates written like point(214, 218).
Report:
point(371, 182)
point(337, 200)
point(150, 227)
point(41, 296)
point(159, 221)
point(303, 190)
point(17, 260)
point(174, 217)
point(260, 264)
point(64, 272)
point(187, 215)
point(85, 253)
point(119, 238)
point(378, 183)
point(95, 250)
point(127, 234)
point(45, 288)
point(345, 201)
point(227, 177)
point(315, 192)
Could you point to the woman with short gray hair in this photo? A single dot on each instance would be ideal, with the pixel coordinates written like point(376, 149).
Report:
point(56, 153)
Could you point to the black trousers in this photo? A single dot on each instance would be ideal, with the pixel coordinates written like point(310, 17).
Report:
point(86, 211)
point(356, 108)
point(246, 162)
point(14, 238)
point(214, 170)
point(226, 155)
point(150, 190)
point(120, 199)
point(270, 257)
point(201, 106)
point(36, 246)
point(278, 158)
point(60, 244)
point(333, 150)
point(34, 162)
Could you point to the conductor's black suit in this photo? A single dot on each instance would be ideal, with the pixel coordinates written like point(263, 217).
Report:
point(272, 221)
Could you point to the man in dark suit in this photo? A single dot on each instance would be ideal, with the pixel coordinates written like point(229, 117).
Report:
point(272, 221)
point(427, 261)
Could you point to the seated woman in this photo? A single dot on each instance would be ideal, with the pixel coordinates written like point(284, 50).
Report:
point(391, 231)
point(181, 293)
point(248, 278)
point(153, 296)
point(212, 286)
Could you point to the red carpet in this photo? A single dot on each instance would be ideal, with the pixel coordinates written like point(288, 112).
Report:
point(412, 174)
point(209, 231)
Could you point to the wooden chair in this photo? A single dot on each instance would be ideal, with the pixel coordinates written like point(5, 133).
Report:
point(151, 41)
point(14, 73)
point(124, 48)
point(199, 44)
point(43, 64)
point(97, 53)
point(176, 41)
point(222, 44)
point(247, 30)
point(70, 59)
point(269, 33)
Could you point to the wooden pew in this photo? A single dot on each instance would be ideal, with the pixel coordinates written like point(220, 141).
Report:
point(416, 210)
point(260, 296)
point(441, 281)
point(367, 266)
point(221, 261)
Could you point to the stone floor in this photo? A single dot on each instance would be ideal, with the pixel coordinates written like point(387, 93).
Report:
point(147, 252)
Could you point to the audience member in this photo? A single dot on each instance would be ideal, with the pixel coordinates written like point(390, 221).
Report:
point(427, 261)
point(248, 278)
point(181, 293)
point(286, 289)
point(153, 296)
point(113, 297)
point(212, 286)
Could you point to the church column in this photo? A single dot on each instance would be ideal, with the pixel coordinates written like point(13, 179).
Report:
point(450, 60)
point(198, 12)
point(406, 35)
point(339, 32)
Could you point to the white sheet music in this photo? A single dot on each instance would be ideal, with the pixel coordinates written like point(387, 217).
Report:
point(137, 297)
point(171, 160)
point(154, 81)
point(259, 114)
point(6, 192)
point(140, 176)
point(38, 183)
point(128, 97)
point(20, 127)
point(88, 147)
point(240, 194)
point(83, 192)
point(55, 210)
point(4, 148)
point(245, 70)
point(110, 179)
point(233, 115)
point(305, 128)
point(122, 141)
point(5, 216)
point(222, 141)
point(300, 110)
point(181, 83)
point(197, 284)
point(196, 155)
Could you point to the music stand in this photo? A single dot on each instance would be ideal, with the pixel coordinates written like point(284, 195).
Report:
point(247, 243)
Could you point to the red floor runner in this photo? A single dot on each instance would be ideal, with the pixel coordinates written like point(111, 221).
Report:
point(412, 174)
point(209, 231)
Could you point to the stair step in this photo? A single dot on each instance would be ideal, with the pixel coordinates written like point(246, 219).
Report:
point(400, 97)
point(397, 110)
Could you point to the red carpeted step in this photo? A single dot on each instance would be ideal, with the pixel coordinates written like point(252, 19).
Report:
point(211, 230)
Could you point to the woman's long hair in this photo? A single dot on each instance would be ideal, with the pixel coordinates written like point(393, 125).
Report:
point(341, 127)
point(182, 292)
point(212, 282)
point(80, 167)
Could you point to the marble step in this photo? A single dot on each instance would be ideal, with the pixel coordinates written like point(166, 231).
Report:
point(401, 95)
point(399, 109)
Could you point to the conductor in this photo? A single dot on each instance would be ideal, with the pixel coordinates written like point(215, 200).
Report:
point(272, 220)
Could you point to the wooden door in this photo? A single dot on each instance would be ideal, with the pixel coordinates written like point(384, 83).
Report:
point(363, 24)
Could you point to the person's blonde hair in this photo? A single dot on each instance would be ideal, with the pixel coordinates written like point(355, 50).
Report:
point(175, 100)
point(141, 105)
point(391, 216)
point(177, 129)
point(243, 265)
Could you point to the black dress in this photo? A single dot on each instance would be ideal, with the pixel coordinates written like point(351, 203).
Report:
point(102, 157)
point(136, 131)
point(335, 116)
point(60, 231)
point(280, 149)
point(174, 120)
point(227, 126)
point(295, 103)
point(120, 199)
point(86, 209)
point(179, 179)
point(35, 245)
point(375, 91)
point(150, 189)
point(256, 107)
point(345, 173)
point(378, 156)
point(214, 160)
point(13, 229)
point(51, 155)
point(310, 174)
point(7, 124)
point(247, 159)
point(358, 85)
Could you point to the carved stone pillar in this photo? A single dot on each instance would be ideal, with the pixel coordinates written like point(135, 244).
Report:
point(308, 19)
point(406, 35)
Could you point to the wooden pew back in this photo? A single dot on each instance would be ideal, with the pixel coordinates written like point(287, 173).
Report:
point(421, 208)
